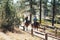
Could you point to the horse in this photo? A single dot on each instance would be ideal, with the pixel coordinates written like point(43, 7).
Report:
point(35, 25)
point(27, 24)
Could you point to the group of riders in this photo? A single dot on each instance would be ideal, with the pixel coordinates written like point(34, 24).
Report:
point(35, 24)
point(27, 22)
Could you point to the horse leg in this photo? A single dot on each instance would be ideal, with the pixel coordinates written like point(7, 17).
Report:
point(37, 28)
point(23, 28)
point(26, 28)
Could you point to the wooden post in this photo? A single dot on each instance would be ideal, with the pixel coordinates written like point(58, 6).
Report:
point(32, 31)
point(44, 29)
point(46, 36)
point(56, 32)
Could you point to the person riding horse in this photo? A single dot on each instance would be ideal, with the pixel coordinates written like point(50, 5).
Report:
point(27, 22)
point(35, 24)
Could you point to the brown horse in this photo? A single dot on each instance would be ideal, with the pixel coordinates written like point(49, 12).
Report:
point(35, 25)
point(27, 24)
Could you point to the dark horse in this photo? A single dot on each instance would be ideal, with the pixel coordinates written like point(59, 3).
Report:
point(35, 25)
point(27, 24)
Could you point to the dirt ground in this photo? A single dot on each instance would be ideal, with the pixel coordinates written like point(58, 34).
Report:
point(17, 36)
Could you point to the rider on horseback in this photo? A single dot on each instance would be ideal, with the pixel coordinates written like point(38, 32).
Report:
point(35, 20)
point(27, 22)
point(35, 24)
point(26, 19)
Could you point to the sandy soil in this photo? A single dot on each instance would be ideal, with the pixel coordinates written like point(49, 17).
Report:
point(17, 36)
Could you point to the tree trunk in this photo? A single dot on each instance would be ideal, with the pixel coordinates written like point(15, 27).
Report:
point(53, 13)
point(40, 10)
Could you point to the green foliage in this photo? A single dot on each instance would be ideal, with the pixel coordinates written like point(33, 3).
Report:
point(8, 12)
point(7, 9)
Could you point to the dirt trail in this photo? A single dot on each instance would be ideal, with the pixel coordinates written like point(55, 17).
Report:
point(4, 36)
point(17, 36)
